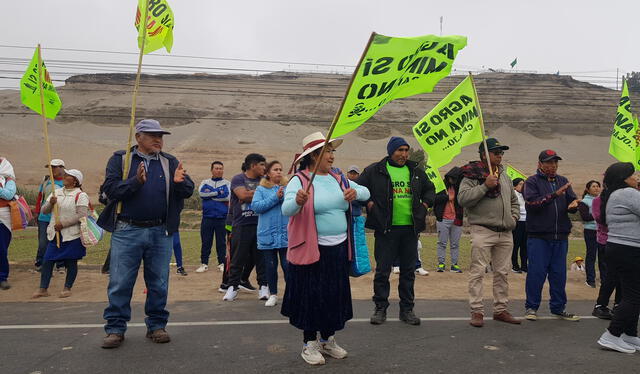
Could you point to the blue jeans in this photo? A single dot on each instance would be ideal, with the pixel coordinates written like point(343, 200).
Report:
point(47, 271)
point(129, 246)
point(208, 228)
point(177, 249)
point(547, 258)
point(271, 266)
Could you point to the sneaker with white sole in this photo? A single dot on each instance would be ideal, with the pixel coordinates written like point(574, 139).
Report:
point(220, 267)
point(421, 271)
point(202, 268)
point(272, 301)
point(396, 270)
point(616, 343)
point(633, 341)
point(311, 353)
point(331, 348)
point(566, 316)
point(231, 294)
point(531, 314)
point(263, 293)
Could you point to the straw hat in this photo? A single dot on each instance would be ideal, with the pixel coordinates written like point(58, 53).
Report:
point(312, 142)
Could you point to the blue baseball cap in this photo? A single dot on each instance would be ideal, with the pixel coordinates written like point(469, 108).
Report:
point(150, 125)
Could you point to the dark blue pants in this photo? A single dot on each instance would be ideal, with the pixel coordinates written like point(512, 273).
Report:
point(47, 271)
point(593, 252)
point(208, 228)
point(271, 267)
point(5, 239)
point(547, 258)
point(177, 249)
point(43, 241)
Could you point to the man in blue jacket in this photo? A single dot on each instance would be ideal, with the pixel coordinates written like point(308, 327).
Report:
point(152, 197)
point(548, 200)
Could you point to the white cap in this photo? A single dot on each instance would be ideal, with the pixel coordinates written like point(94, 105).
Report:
point(76, 173)
point(55, 162)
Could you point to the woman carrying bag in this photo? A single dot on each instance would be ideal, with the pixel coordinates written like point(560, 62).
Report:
point(7, 193)
point(73, 204)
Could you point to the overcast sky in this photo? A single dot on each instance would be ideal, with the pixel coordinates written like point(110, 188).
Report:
point(546, 36)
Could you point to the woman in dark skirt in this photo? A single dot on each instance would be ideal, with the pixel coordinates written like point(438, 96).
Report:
point(72, 205)
point(317, 297)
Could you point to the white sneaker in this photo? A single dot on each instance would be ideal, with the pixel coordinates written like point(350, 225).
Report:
point(610, 341)
point(202, 268)
point(633, 341)
point(273, 300)
point(331, 348)
point(220, 267)
point(311, 354)
point(396, 270)
point(421, 271)
point(263, 293)
point(230, 295)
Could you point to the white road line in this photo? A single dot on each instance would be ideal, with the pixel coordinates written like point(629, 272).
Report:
point(228, 323)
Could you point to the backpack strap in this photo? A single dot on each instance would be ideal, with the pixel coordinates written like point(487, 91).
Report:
point(76, 200)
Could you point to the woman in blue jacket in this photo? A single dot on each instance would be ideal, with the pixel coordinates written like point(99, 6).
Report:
point(272, 225)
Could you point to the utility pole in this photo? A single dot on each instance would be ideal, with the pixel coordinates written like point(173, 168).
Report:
point(617, 70)
point(441, 25)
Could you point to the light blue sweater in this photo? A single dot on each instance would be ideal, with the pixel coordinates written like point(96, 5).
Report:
point(623, 217)
point(272, 225)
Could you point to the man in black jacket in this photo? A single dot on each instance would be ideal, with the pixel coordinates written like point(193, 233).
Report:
point(401, 193)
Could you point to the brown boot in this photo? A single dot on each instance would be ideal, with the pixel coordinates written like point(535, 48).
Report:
point(112, 341)
point(159, 336)
point(505, 316)
point(476, 320)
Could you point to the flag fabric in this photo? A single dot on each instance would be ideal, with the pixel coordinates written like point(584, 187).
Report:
point(434, 176)
point(393, 68)
point(159, 25)
point(30, 90)
point(514, 173)
point(450, 125)
point(637, 139)
point(623, 137)
point(514, 62)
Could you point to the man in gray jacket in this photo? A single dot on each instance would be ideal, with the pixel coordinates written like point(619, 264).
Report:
point(492, 209)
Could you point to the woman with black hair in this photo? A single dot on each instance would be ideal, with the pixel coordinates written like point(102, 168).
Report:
point(520, 232)
point(621, 211)
point(591, 191)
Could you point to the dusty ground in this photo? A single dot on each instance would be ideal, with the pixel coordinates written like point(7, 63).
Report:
point(91, 286)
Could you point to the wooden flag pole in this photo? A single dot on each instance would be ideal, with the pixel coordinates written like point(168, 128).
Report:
point(339, 112)
point(484, 137)
point(127, 157)
point(56, 213)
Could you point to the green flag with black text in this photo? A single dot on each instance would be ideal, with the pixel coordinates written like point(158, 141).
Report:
point(514, 173)
point(30, 90)
point(623, 137)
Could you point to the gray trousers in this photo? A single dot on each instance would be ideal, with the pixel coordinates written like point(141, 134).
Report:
point(448, 232)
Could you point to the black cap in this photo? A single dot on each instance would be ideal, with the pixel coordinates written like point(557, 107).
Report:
point(548, 155)
point(492, 143)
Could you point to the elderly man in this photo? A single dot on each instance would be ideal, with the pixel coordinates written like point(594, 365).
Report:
point(492, 209)
point(151, 197)
point(401, 193)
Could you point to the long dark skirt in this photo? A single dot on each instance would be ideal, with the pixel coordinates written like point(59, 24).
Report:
point(317, 297)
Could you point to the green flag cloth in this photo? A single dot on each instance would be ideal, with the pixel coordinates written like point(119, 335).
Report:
point(514, 62)
point(637, 139)
point(451, 125)
point(434, 176)
point(30, 90)
point(159, 25)
point(393, 68)
point(514, 173)
point(623, 141)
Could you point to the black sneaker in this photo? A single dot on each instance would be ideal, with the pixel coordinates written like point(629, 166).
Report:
point(379, 316)
point(246, 286)
point(409, 318)
point(591, 284)
point(601, 312)
point(223, 288)
point(181, 271)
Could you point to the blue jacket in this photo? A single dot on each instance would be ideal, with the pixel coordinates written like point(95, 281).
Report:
point(117, 189)
point(547, 213)
point(215, 197)
point(272, 224)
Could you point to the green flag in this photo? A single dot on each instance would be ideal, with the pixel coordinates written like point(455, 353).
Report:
point(159, 25)
point(30, 90)
point(434, 176)
point(637, 139)
point(451, 125)
point(393, 68)
point(514, 173)
point(514, 62)
point(623, 137)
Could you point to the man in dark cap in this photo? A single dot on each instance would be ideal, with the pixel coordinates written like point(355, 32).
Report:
point(548, 200)
point(152, 197)
point(401, 193)
point(492, 209)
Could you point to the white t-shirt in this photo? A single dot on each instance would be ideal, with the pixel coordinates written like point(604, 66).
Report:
point(67, 210)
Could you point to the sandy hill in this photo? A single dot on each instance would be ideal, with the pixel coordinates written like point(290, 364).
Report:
point(224, 117)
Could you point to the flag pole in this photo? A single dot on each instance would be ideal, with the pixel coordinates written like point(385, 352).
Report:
point(484, 137)
point(127, 158)
point(339, 112)
point(56, 213)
